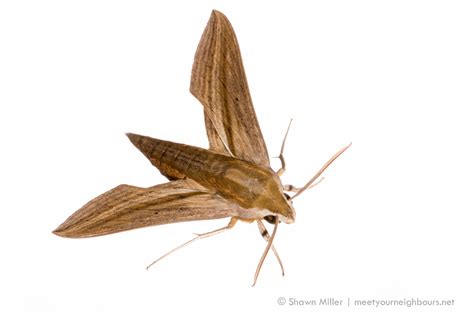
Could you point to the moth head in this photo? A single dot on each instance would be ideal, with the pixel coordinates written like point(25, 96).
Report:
point(290, 211)
point(285, 211)
point(286, 214)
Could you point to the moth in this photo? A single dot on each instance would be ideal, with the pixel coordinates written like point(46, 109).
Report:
point(232, 179)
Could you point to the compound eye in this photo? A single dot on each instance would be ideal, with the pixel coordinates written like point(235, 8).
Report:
point(270, 218)
point(288, 198)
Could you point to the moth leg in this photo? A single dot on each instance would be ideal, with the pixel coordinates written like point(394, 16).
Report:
point(231, 224)
point(264, 232)
point(265, 252)
point(283, 165)
point(292, 188)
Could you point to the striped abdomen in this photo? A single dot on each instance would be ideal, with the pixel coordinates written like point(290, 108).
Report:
point(174, 160)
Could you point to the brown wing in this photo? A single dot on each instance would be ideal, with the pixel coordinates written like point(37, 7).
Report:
point(218, 81)
point(127, 207)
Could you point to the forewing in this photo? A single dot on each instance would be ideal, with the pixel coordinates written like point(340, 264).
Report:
point(127, 207)
point(218, 81)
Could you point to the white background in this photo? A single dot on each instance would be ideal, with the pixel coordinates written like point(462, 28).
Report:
point(392, 219)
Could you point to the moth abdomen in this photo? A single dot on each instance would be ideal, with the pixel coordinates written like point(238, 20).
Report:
point(175, 160)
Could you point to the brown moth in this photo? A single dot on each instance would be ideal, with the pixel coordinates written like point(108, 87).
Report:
point(232, 178)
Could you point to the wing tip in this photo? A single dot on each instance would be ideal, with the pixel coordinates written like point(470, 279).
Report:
point(66, 232)
point(58, 232)
point(218, 15)
point(62, 232)
point(216, 12)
